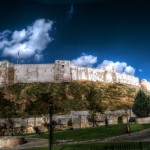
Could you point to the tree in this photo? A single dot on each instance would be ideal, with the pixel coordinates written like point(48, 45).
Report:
point(92, 117)
point(7, 110)
point(141, 106)
point(122, 98)
point(95, 103)
point(36, 108)
point(6, 107)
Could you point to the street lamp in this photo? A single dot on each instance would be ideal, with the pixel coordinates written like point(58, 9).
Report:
point(50, 125)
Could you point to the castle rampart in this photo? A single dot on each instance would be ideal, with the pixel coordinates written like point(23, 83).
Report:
point(61, 71)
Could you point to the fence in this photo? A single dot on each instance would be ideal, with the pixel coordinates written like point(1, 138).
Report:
point(114, 146)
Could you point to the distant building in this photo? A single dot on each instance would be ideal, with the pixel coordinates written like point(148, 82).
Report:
point(62, 71)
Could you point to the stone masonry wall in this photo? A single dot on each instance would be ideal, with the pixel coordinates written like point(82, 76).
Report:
point(34, 73)
point(79, 120)
point(62, 71)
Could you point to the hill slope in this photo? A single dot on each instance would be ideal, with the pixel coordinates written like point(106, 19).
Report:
point(33, 98)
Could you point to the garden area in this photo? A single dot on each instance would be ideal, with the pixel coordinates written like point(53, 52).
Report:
point(93, 133)
point(96, 134)
point(79, 96)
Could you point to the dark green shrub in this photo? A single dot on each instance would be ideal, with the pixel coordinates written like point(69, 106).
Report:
point(141, 106)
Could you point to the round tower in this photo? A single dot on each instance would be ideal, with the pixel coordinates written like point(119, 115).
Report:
point(144, 84)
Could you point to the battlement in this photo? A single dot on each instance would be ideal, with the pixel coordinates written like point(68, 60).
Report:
point(61, 71)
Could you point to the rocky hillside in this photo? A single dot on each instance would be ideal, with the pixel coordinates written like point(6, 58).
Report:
point(26, 99)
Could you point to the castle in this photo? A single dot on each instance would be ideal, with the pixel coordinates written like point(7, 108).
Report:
point(62, 71)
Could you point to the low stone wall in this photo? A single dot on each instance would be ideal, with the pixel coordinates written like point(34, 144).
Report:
point(79, 120)
point(144, 120)
point(10, 142)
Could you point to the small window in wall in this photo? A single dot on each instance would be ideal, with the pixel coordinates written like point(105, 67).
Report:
point(62, 66)
point(120, 120)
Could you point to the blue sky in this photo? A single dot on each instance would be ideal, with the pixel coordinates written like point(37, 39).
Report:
point(89, 33)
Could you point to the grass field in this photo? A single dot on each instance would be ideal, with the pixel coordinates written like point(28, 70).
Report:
point(93, 133)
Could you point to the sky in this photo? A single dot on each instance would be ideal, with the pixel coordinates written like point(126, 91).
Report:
point(89, 33)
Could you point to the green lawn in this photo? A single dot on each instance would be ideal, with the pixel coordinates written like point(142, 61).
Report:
point(93, 133)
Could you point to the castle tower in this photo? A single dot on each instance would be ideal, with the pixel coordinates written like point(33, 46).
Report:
point(62, 71)
point(6, 73)
point(109, 74)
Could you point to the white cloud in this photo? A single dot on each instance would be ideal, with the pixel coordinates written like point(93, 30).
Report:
point(70, 12)
point(85, 61)
point(5, 43)
point(120, 67)
point(129, 70)
point(38, 57)
point(19, 35)
point(140, 70)
point(29, 42)
point(4, 34)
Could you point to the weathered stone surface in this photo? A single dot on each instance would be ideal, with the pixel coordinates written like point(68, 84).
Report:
point(61, 71)
point(79, 120)
point(10, 142)
point(144, 120)
point(145, 84)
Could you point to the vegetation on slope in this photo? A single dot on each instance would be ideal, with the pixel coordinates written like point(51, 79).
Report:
point(33, 98)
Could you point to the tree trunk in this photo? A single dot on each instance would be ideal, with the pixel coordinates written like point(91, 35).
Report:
point(128, 129)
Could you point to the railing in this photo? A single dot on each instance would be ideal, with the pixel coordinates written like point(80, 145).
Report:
point(115, 146)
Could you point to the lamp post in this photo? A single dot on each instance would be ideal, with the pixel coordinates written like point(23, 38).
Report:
point(50, 125)
point(13, 118)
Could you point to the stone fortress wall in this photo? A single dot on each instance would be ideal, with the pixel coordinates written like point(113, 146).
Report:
point(62, 71)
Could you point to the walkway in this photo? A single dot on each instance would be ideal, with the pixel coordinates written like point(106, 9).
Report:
point(140, 136)
point(31, 143)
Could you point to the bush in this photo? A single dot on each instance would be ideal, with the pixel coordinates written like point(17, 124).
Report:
point(141, 106)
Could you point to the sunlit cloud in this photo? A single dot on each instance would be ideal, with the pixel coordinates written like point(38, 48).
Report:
point(31, 41)
point(120, 67)
point(85, 60)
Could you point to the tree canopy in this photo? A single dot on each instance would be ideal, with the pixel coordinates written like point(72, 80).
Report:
point(141, 106)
